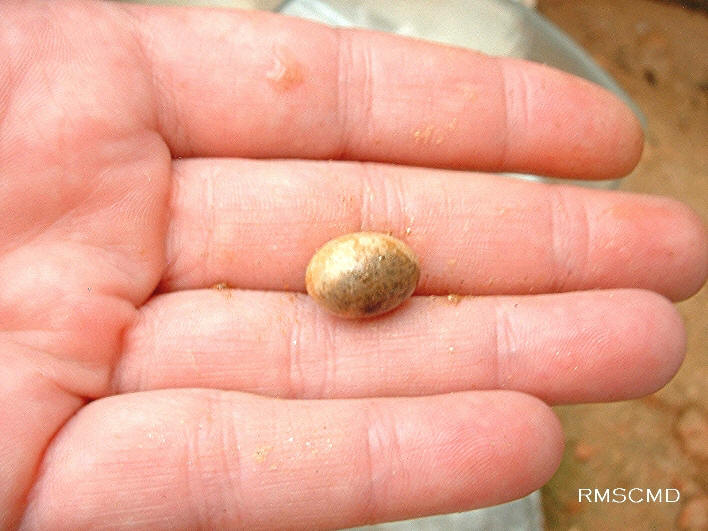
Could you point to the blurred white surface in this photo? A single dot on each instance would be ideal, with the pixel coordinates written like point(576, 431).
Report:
point(249, 4)
point(520, 515)
point(485, 25)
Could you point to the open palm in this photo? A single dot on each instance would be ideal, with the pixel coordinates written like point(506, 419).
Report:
point(148, 155)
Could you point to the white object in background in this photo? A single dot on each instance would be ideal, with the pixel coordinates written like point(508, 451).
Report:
point(490, 27)
point(523, 514)
point(270, 5)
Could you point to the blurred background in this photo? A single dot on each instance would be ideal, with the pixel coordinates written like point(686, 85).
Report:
point(657, 52)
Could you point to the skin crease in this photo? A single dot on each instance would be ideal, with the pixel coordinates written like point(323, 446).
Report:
point(133, 396)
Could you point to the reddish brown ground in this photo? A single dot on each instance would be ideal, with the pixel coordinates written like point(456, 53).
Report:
point(659, 53)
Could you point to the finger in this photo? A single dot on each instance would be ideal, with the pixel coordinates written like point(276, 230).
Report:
point(256, 225)
point(579, 347)
point(196, 459)
point(33, 406)
point(260, 85)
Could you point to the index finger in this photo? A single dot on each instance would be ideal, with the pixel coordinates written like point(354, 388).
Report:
point(253, 84)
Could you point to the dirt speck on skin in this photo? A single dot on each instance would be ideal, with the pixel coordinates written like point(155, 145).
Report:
point(286, 72)
point(423, 135)
point(291, 296)
point(430, 135)
point(469, 91)
point(223, 287)
point(261, 453)
point(454, 299)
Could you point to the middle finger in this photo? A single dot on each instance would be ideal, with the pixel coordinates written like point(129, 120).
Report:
point(255, 224)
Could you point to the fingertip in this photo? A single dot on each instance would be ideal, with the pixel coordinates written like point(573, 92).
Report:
point(526, 447)
point(691, 238)
point(618, 130)
point(546, 441)
point(629, 138)
point(646, 347)
point(679, 242)
point(664, 346)
point(569, 126)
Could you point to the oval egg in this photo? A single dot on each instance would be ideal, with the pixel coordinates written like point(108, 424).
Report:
point(362, 274)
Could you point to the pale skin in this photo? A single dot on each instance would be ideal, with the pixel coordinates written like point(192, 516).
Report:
point(134, 395)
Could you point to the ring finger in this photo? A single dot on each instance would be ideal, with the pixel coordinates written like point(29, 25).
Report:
point(574, 347)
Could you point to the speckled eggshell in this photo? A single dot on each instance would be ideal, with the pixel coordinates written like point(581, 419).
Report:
point(362, 274)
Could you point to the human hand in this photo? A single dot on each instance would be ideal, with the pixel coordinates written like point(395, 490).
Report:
point(135, 396)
